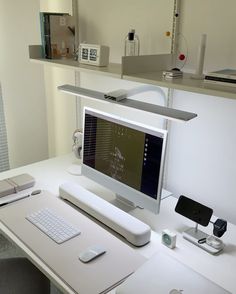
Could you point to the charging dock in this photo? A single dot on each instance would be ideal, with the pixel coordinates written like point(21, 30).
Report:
point(194, 235)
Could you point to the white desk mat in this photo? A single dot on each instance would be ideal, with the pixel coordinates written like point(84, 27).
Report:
point(97, 276)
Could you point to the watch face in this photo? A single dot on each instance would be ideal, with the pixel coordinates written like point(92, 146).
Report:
point(166, 238)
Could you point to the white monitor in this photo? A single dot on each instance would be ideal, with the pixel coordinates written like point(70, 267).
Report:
point(125, 156)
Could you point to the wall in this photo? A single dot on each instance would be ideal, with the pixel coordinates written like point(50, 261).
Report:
point(61, 110)
point(22, 83)
point(216, 18)
point(202, 153)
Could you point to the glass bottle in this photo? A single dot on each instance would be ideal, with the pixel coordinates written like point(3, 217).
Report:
point(132, 44)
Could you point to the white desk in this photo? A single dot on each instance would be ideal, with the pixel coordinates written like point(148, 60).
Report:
point(221, 269)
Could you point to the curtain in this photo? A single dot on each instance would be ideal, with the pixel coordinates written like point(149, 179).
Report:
point(4, 158)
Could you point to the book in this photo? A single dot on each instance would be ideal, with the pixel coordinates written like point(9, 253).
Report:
point(231, 83)
point(57, 34)
point(226, 77)
point(224, 73)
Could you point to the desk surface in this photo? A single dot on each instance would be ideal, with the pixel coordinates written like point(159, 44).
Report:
point(221, 269)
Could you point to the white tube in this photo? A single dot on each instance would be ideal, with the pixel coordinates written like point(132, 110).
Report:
point(200, 60)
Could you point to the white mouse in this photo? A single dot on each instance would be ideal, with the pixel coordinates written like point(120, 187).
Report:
point(91, 253)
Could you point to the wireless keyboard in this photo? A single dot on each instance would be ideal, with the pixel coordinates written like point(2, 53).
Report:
point(53, 225)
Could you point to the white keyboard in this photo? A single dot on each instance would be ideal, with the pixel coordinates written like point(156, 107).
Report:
point(53, 225)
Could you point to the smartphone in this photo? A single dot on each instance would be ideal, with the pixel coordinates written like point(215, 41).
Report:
point(193, 210)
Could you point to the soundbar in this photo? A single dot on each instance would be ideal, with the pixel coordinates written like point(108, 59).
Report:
point(133, 230)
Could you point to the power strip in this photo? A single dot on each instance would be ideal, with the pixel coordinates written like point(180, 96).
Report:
point(132, 229)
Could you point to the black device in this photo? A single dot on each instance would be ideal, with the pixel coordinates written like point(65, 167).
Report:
point(219, 227)
point(193, 210)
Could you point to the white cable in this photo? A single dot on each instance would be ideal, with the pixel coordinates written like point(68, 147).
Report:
point(147, 88)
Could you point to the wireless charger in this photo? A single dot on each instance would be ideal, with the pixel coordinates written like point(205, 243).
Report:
point(199, 238)
point(201, 214)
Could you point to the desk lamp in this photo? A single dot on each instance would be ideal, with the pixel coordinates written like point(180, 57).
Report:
point(121, 97)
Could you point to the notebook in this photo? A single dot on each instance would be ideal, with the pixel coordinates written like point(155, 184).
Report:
point(163, 274)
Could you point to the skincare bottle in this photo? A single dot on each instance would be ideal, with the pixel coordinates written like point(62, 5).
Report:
point(132, 44)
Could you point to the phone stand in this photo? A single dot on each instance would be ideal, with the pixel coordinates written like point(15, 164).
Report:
point(195, 236)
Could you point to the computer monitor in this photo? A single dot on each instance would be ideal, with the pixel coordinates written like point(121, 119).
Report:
point(125, 156)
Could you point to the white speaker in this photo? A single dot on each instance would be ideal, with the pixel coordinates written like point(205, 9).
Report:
point(168, 238)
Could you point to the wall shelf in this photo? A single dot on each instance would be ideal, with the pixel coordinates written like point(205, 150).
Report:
point(113, 70)
point(184, 84)
point(140, 69)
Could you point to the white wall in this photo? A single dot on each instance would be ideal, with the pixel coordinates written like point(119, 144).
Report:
point(22, 82)
point(216, 18)
point(202, 153)
point(61, 109)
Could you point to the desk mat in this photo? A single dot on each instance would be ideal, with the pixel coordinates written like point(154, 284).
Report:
point(97, 276)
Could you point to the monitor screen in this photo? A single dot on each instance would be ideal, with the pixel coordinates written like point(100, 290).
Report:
point(125, 156)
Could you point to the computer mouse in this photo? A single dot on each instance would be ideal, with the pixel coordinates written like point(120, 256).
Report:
point(91, 253)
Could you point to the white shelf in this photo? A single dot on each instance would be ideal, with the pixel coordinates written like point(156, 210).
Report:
point(140, 69)
point(113, 70)
point(186, 83)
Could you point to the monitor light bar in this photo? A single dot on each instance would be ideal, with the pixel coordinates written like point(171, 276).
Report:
point(124, 100)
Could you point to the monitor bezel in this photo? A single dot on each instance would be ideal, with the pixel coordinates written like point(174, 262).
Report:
point(138, 198)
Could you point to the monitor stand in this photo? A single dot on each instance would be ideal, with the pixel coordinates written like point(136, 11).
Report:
point(75, 168)
point(128, 206)
point(194, 235)
point(124, 204)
